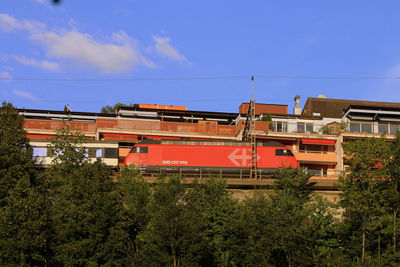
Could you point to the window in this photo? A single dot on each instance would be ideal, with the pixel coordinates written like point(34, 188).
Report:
point(83, 150)
point(366, 128)
point(307, 148)
point(95, 152)
point(305, 127)
point(283, 152)
point(394, 128)
point(309, 128)
point(40, 151)
point(99, 152)
point(388, 128)
point(111, 153)
point(300, 127)
point(140, 149)
point(355, 127)
point(279, 126)
point(359, 127)
point(382, 128)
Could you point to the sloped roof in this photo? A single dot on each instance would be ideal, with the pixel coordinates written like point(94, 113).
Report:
point(333, 108)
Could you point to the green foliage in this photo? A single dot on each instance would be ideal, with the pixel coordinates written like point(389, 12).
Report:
point(134, 194)
point(15, 153)
point(267, 118)
point(362, 197)
point(211, 208)
point(22, 220)
point(84, 205)
point(293, 183)
point(161, 241)
point(187, 227)
point(113, 109)
point(85, 209)
point(78, 213)
point(288, 226)
point(67, 150)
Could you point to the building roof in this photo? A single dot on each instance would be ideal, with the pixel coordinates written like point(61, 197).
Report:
point(334, 108)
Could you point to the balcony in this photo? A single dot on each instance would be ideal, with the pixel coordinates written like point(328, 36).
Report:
point(326, 158)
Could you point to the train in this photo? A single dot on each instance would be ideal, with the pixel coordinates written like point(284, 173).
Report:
point(205, 157)
point(107, 152)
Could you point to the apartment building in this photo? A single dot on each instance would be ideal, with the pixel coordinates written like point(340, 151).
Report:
point(315, 133)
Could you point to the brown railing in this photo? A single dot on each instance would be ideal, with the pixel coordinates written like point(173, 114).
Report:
point(35, 124)
point(171, 127)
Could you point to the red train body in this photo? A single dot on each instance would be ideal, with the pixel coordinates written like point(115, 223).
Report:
point(210, 156)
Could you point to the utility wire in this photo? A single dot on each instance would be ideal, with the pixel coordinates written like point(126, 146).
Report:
point(126, 80)
point(328, 77)
point(276, 77)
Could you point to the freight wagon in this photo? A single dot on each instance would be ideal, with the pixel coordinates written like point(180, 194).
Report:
point(230, 158)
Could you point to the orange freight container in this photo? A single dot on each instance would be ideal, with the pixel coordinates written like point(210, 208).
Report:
point(165, 107)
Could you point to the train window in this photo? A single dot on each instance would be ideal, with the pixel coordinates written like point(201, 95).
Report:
point(99, 152)
point(111, 153)
point(283, 152)
point(40, 151)
point(140, 149)
point(85, 152)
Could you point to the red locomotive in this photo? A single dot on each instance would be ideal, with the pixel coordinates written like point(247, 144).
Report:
point(208, 157)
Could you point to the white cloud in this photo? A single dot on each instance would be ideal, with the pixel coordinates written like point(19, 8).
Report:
point(164, 49)
point(5, 75)
point(116, 54)
point(83, 50)
point(9, 23)
point(25, 95)
point(43, 64)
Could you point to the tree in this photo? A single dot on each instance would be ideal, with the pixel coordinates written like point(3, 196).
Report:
point(22, 210)
point(288, 226)
point(391, 193)
point(15, 152)
point(113, 109)
point(210, 210)
point(134, 194)
point(251, 239)
point(187, 227)
point(290, 217)
point(268, 118)
point(362, 186)
point(85, 206)
point(162, 239)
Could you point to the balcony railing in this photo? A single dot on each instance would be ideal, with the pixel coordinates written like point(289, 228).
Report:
point(324, 173)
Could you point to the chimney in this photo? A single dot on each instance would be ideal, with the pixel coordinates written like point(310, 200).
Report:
point(297, 107)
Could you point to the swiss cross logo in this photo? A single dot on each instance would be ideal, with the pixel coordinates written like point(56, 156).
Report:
point(241, 157)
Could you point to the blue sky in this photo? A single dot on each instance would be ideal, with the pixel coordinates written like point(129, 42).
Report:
point(129, 39)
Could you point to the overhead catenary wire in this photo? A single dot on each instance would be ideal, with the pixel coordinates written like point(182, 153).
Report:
point(271, 77)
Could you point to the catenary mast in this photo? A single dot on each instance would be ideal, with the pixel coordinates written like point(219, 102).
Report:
point(252, 135)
